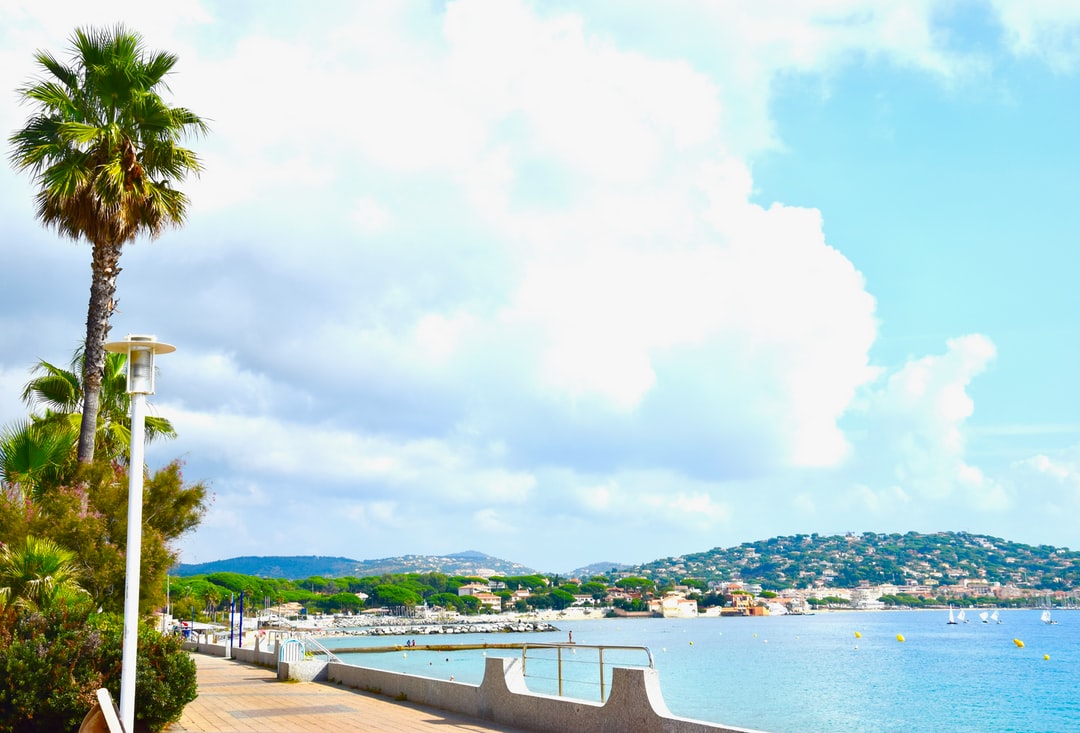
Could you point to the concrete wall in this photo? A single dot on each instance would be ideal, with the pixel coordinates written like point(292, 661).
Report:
point(635, 703)
point(306, 670)
point(267, 657)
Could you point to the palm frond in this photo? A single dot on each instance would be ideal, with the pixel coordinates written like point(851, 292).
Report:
point(55, 388)
point(32, 453)
point(53, 96)
point(65, 74)
point(80, 133)
point(36, 573)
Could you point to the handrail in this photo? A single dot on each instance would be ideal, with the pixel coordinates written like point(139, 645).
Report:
point(313, 646)
point(600, 648)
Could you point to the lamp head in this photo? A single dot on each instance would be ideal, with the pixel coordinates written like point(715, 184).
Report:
point(140, 351)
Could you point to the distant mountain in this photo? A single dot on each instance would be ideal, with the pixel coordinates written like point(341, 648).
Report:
point(275, 566)
point(597, 568)
point(469, 562)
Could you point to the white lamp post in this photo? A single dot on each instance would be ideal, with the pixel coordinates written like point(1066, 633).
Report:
point(140, 352)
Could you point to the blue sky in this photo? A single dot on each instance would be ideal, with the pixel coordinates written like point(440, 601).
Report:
point(611, 282)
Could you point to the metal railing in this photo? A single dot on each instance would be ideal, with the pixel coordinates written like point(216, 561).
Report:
point(314, 646)
point(564, 661)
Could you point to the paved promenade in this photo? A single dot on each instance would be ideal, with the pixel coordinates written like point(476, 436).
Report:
point(243, 698)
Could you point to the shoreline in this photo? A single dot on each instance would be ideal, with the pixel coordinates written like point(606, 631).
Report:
point(511, 622)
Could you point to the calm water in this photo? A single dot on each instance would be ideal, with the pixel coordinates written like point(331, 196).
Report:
point(793, 674)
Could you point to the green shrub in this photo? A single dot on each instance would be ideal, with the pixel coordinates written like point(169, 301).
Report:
point(51, 663)
point(165, 679)
point(49, 669)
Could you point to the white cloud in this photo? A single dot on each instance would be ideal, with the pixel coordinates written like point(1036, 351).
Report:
point(494, 263)
point(439, 336)
point(1046, 480)
point(491, 522)
point(371, 217)
point(918, 429)
point(1046, 29)
point(883, 502)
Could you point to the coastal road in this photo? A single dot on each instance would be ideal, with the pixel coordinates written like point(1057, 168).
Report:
point(235, 697)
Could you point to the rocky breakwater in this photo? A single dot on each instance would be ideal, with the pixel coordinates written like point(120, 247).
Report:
point(458, 627)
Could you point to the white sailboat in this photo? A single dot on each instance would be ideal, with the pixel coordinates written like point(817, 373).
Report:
point(961, 616)
point(1047, 618)
point(985, 616)
point(952, 619)
point(994, 617)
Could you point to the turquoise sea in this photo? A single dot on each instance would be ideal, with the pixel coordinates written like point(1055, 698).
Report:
point(793, 674)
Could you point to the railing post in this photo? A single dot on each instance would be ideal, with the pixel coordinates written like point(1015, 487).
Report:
point(560, 671)
point(601, 674)
point(601, 648)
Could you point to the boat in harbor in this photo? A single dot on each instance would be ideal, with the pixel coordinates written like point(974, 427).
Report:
point(1047, 617)
point(952, 618)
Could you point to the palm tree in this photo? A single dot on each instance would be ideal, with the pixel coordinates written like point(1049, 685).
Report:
point(36, 574)
point(60, 392)
point(213, 598)
point(103, 148)
point(32, 455)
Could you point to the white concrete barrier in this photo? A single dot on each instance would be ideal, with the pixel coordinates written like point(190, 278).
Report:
point(635, 703)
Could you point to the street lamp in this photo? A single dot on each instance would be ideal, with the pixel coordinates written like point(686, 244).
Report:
point(140, 351)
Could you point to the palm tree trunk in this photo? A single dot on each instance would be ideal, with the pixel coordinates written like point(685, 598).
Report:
point(105, 266)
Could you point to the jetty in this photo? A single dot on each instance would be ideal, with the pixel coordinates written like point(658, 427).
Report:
point(422, 647)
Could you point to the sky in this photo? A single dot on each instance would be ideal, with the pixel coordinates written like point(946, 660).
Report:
point(612, 281)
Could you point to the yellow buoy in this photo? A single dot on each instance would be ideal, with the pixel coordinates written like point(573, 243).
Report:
point(1046, 657)
point(691, 643)
point(1018, 643)
point(858, 635)
point(900, 637)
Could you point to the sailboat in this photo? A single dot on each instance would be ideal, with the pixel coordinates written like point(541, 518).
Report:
point(994, 617)
point(1046, 617)
point(985, 616)
point(961, 617)
point(952, 619)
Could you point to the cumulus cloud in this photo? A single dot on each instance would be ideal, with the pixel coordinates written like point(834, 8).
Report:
point(491, 262)
point(1046, 29)
point(917, 420)
point(1051, 483)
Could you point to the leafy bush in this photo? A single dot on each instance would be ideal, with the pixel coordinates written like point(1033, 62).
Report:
point(49, 668)
point(52, 662)
point(165, 676)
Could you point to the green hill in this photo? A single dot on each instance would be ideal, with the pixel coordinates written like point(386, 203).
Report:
point(844, 561)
